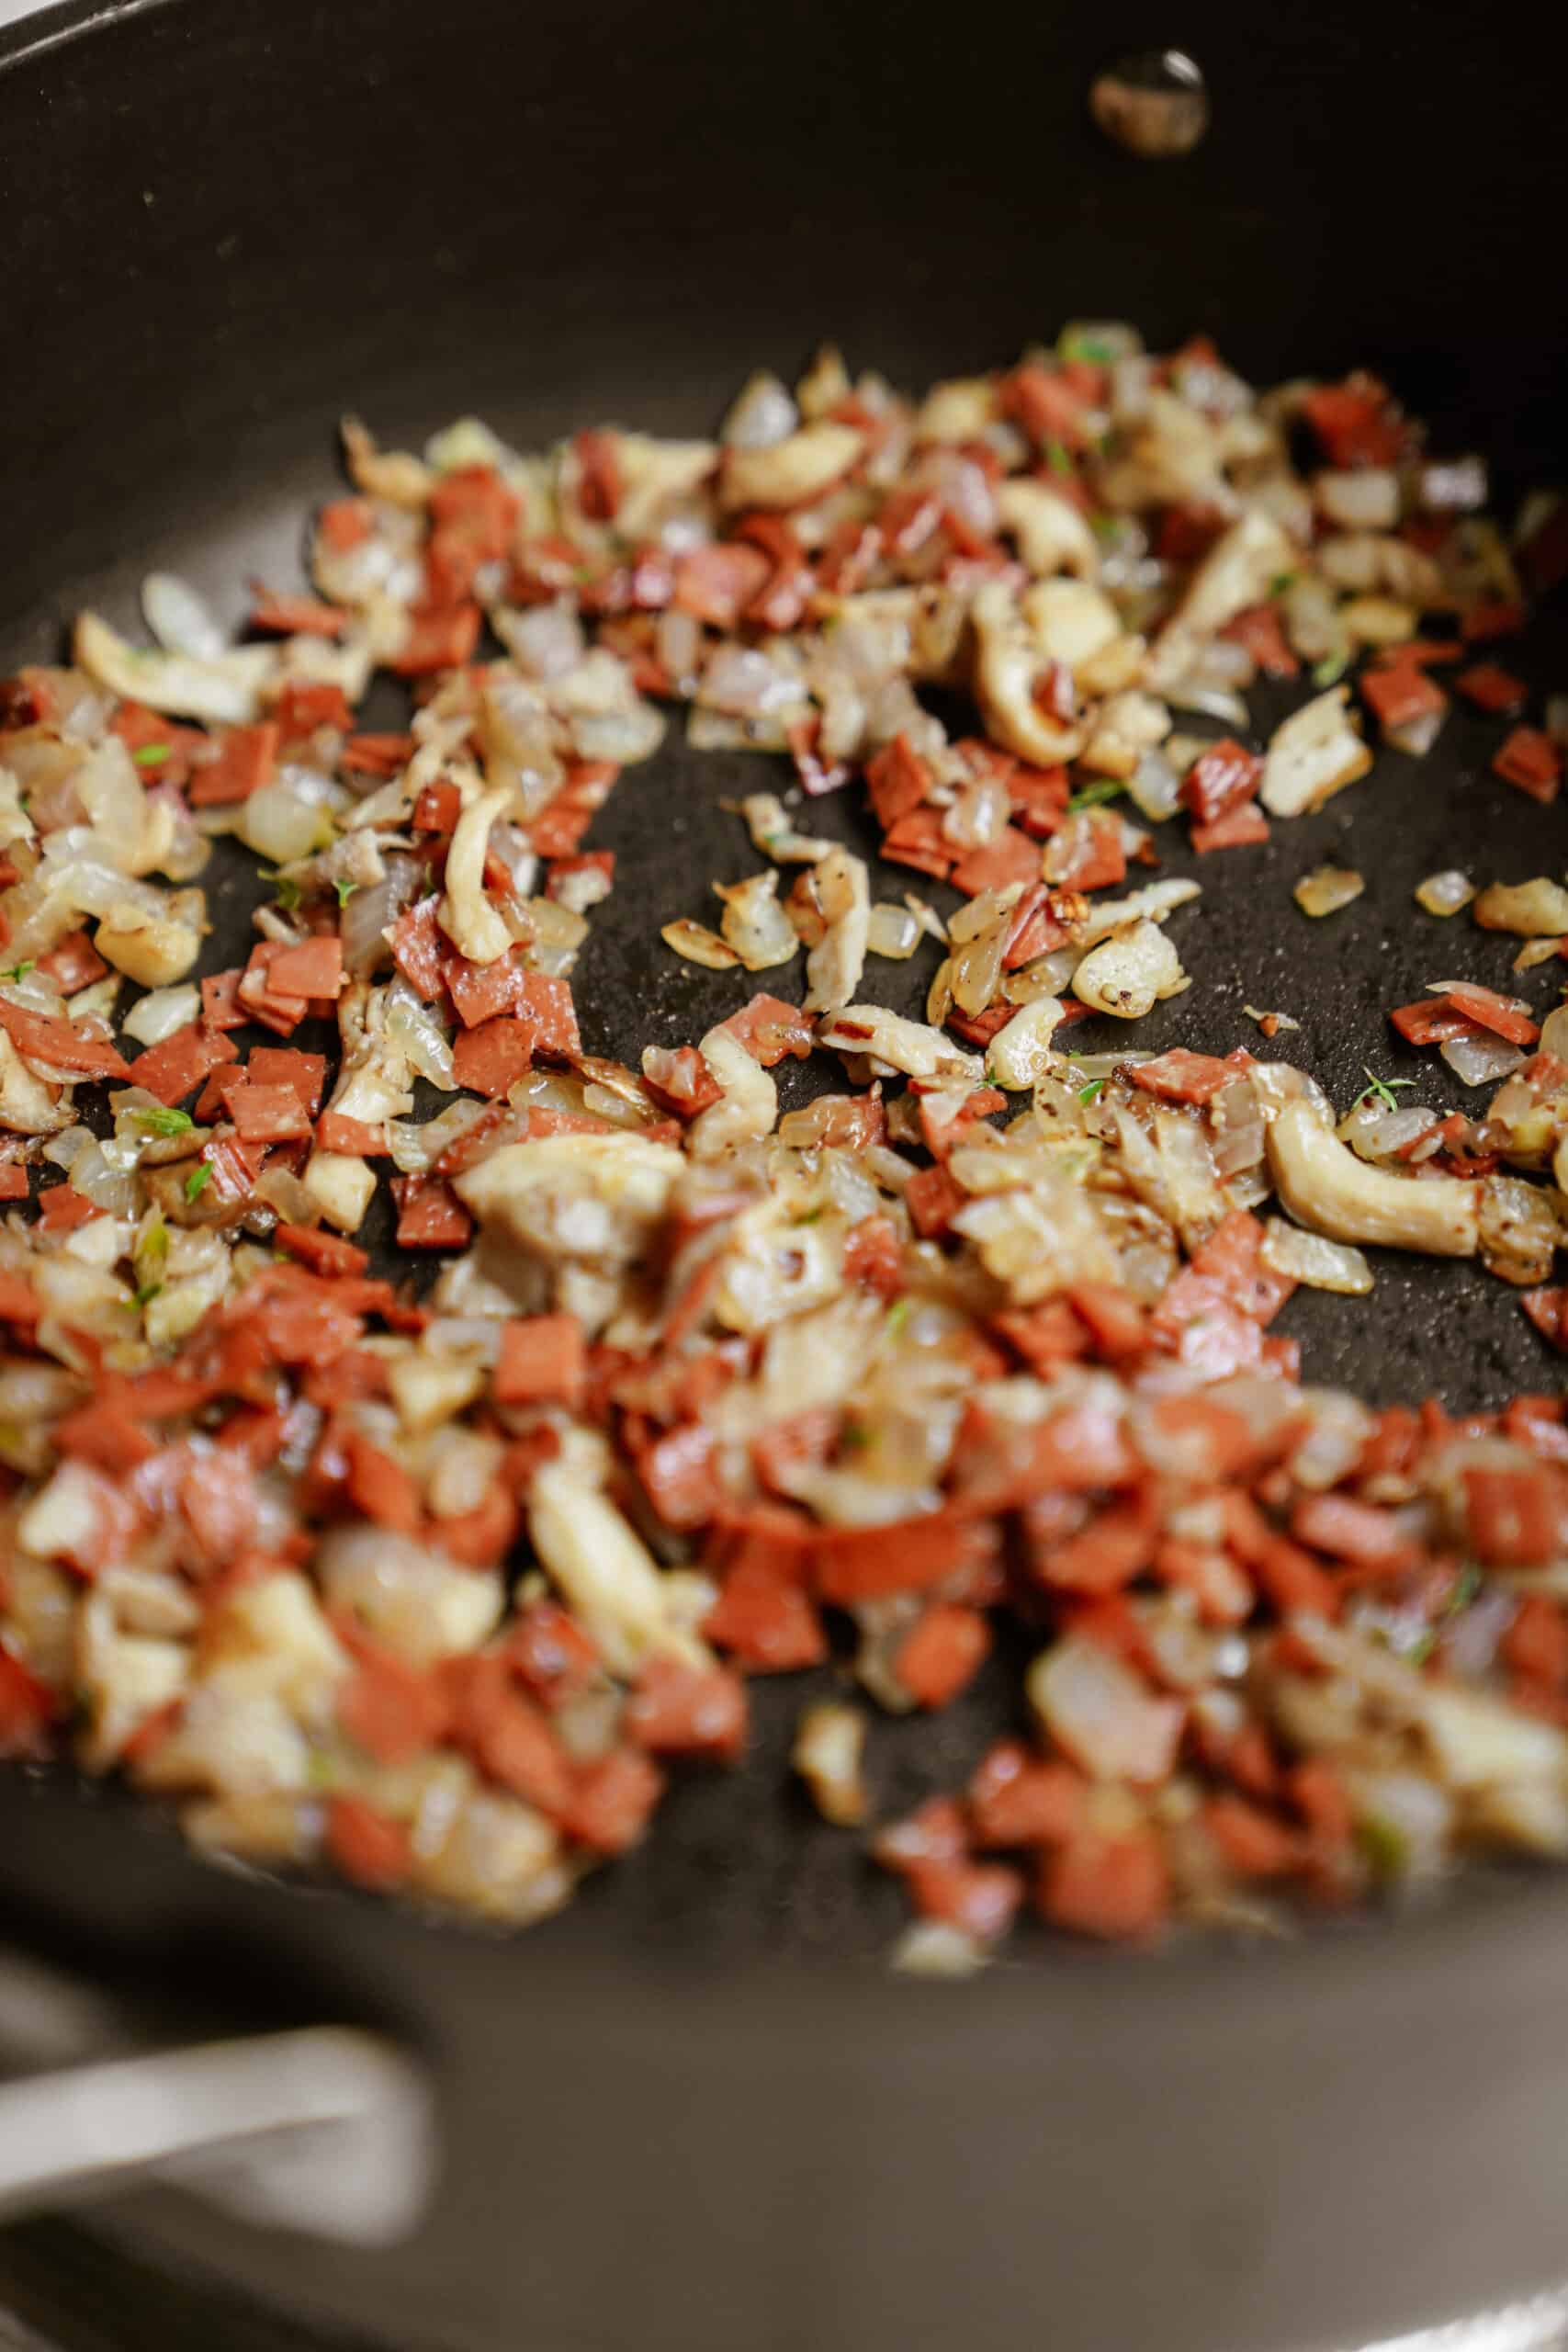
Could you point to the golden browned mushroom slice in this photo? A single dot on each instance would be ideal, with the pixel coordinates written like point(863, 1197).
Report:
point(1329, 1190)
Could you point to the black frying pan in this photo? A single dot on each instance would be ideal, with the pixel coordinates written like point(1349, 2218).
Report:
point(693, 2113)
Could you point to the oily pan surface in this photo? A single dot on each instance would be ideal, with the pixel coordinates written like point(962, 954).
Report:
point(282, 262)
point(740, 1864)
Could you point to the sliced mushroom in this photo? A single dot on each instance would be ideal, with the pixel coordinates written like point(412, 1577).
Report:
point(1329, 1190)
point(1051, 534)
point(227, 691)
point(794, 471)
point(396, 475)
point(1006, 664)
point(1069, 620)
point(1152, 904)
point(465, 914)
point(748, 1104)
point(655, 476)
point(154, 946)
point(835, 964)
point(896, 1044)
point(1314, 756)
point(1127, 974)
point(1237, 570)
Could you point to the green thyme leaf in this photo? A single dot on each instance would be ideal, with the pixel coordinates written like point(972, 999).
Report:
point(152, 755)
point(1385, 1847)
point(1092, 348)
point(1382, 1088)
point(898, 1315)
point(288, 894)
point(195, 1183)
point(1329, 670)
point(19, 971)
point(345, 891)
point(1095, 796)
point(1057, 458)
point(1091, 1093)
point(159, 1121)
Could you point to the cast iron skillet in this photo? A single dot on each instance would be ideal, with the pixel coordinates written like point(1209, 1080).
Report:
point(693, 2113)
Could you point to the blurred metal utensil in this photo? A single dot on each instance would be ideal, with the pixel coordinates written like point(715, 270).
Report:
point(327, 2129)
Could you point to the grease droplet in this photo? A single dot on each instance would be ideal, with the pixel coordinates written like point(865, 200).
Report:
point(1155, 104)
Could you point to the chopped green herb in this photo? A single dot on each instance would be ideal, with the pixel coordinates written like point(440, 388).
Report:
point(19, 971)
point(1280, 583)
point(197, 1180)
point(152, 755)
point(1095, 796)
point(345, 891)
point(898, 1315)
point(148, 1292)
point(288, 894)
point(159, 1121)
point(810, 1215)
point(1057, 458)
point(1386, 1848)
point(1382, 1088)
point(1092, 1091)
point(1418, 1651)
point(1093, 348)
point(1467, 1584)
point(1329, 670)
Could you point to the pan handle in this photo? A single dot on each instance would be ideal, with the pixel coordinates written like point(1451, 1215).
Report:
point(327, 2129)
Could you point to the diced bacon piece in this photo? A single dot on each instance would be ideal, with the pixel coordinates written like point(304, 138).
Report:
point(264, 1113)
point(314, 968)
point(1013, 858)
point(354, 1138)
point(439, 639)
point(220, 1007)
point(613, 1800)
point(1530, 759)
point(178, 1063)
point(287, 1066)
point(60, 1044)
point(324, 1254)
point(1181, 1077)
point(430, 1214)
point(244, 759)
point(493, 1056)
point(897, 780)
point(769, 1029)
point(72, 962)
point(1242, 827)
point(297, 615)
point(677, 1710)
point(1224, 776)
point(422, 952)
point(542, 1361)
point(368, 1846)
point(1114, 1888)
point(1491, 687)
point(766, 1622)
point(942, 1654)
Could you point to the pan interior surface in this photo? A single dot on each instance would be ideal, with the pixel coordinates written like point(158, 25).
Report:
point(228, 226)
